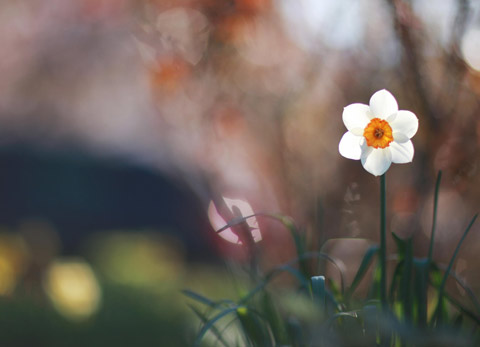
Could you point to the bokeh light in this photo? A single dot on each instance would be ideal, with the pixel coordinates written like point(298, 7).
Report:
point(238, 208)
point(141, 260)
point(471, 48)
point(13, 261)
point(73, 288)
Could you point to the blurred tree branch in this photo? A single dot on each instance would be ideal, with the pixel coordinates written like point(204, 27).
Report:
point(404, 19)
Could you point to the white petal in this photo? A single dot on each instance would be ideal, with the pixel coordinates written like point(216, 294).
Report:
point(391, 118)
point(356, 116)
point(406, 123)
point(400, 137)
point(402, 152)
point(377, 160)
point(383, 104)
point(357, 131)
point(350, 146)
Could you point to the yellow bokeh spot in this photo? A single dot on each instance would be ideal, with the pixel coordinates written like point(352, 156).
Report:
point(140, 260)
point(13, 259)
point(73, 288)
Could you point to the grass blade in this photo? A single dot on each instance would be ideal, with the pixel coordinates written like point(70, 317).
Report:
point(319, 292)
point(437, 318)
point(211, 323)
point(270, 276)
point(204, 320)
point(395, 280)
point(362, 269)
point(369, 315)
point(288, 223)
point(406, 281)
point(467, 290)
point(352, 314)
point(421, 286)
point(253, 328)
point(272, 316)
point(434, 221)
point(401, 246)
point(199, 298)
point(462, 309)
point(287, 268)
point(295, 332)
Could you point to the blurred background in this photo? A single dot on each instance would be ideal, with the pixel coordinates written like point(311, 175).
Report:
point(131, 130)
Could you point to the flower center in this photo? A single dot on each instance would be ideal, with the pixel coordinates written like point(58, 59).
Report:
point(378, 133)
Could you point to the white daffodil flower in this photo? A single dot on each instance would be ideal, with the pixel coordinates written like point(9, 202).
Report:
point(378, 134)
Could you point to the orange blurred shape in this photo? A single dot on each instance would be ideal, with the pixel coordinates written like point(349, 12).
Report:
point(473, 79)
point(13, 259)
point(234, 27)
point(228, 120)
point(168, 74)
point(252, 5)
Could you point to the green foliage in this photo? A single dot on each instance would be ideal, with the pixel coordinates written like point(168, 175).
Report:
point(127, 318)
point(416, 311)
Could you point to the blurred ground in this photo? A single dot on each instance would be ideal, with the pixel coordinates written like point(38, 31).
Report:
point(121, 115)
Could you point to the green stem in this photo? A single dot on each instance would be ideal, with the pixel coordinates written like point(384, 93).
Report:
point(383, 242)
point(434, 222)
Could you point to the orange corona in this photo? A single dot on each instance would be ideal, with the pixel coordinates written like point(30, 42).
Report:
point(378, 133)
